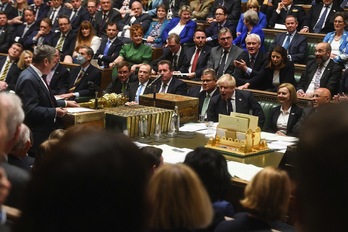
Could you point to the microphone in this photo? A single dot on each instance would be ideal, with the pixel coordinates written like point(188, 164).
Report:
point(92, 85)
point(158, 77)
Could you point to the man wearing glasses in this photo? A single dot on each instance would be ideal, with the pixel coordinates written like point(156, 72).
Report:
point(222, 57)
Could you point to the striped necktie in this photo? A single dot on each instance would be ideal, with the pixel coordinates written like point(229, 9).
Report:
point(77, 81)
point(60, 42)
point(7, 67)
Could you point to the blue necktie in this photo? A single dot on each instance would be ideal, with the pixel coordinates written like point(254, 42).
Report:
point(106, 49)
point(320, 23)
point(287, 41)
point(138, 93)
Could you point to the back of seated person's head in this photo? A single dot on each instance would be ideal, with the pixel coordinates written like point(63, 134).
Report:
point(45, 151)
point(211, 167)
point(57, 134)
point(95, 181)
point(177, 199)
point(153, 157)
point(322, 170)
point(267, 195)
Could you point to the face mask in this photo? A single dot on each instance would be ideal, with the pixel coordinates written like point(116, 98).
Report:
point(80, 59)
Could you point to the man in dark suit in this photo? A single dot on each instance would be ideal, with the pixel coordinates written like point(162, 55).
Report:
point(221, 21)
point(233, 100)
point(42, 36)
point(42, 111)
point(296, 45)
point(8, 9)
point(58, 77)
point(64, 39)
point(205, 92)
point(7, 33)
point(106, 15)
point(80, 76)
point(320, 17)
point(9, 71)
point(24, 30)
point(321, 72)
point(248, 65)
point(78, 14)
point(168, 83)
point(110, 46)
point(196, 57)
point(41, 9)
point(57, 9)
point(285, 8)
point(140, 87)
point(135, 17)
point(233, 7)
point(120, 84)
point(92, 10)
point(174, 52)
point(222, 57)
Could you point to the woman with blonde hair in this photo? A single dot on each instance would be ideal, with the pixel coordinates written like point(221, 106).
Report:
point(25, 59)
point(284, 117)
point(178, 200)
point(266, 200)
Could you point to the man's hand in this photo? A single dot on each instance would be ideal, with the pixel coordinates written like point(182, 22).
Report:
point(61, 112)
point(3, 85)
point(240, 64)
point(304, 30)
point(245, 86)
point(66, 95)
point(72, 104)
point(191, 75)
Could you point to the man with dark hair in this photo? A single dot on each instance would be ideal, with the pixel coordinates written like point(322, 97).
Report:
point(7, 33)
point(285, 8)
point(40, 9)
point(78, 14)
point(64, 39)
point(42, 111)
point(80, 77)
point(120, 84)
point(24, 30)
point(196, 57)
point(168, 83)
point(57, 9)
point(8, 9)
point(9, 70)
point(57, 78)
point(42, 36)
point(221, 21)
point(110, 46)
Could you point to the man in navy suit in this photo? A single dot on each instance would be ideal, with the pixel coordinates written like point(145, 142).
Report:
point(7, 33)
point(234, 8)
point(78, 14)
point(8, 9)
point(24, 30)
point(316, 13)
point(205, 92)
point(58, 78)
point(140, 87)
point(248, 65)
point(168, 83)
point(42, 36)
point(110, 46)
point(80, 76)
point(221, 21)
point(40, 8)
point(120, 84)
point(285, 8)
point(233, 100)
point(42, 111)
point(297, 45)
point(57, 9)
point(9, 71)
point(64, 39)
point(196, 57)
point(106, 15)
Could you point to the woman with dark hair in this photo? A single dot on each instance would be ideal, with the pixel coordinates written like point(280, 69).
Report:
point(284, 117)
point(266, 200)
point(251, 20)
point(338, 40)
point(183, 26)
point(153, 36)
point(95, 181)
point(277, 70)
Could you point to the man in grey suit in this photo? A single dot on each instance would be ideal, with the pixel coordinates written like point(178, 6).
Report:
point(293, 42)
point(222, 57)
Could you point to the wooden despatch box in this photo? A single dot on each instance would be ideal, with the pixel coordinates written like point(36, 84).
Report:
point(187, 106)
point(92, 118)
point(128, 118)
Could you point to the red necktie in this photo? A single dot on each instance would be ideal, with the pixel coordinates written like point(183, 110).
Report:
point(195, 60)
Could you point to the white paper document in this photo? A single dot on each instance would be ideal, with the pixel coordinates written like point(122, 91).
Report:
point(242, 171)
point(72, 110)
